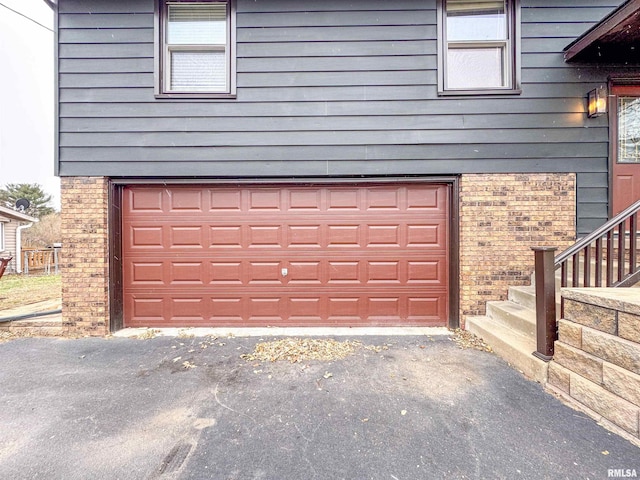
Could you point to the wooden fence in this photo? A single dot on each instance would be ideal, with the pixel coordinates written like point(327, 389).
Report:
point(40, 260)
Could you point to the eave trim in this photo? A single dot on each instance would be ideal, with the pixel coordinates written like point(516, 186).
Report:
point(600, 29)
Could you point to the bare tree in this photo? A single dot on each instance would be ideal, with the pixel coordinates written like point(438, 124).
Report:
point(44, 233)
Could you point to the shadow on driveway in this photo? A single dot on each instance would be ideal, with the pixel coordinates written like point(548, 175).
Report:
point(191, 408)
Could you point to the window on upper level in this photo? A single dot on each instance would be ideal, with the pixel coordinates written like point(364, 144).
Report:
point(478, 46)
point(196, 48)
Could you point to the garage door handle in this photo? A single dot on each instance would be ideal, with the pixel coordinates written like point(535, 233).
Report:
point(285, 272)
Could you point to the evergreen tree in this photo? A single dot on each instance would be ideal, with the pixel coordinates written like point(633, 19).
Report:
point(33, 192)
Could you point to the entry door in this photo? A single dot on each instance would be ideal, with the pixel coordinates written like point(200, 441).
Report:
point(626, 154)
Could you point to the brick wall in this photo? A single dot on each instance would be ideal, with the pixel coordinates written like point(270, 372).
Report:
point(597, 356)
point(85, 272)
point(501, 217)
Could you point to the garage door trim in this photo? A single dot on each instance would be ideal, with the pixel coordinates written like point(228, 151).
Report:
point(115, 225)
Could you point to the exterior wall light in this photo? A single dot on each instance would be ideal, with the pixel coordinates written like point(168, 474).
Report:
point(596, 102)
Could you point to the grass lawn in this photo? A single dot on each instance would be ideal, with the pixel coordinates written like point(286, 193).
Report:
point(16, 290)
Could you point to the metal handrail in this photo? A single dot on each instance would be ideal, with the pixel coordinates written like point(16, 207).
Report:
point(546, 265)
point(598, 233)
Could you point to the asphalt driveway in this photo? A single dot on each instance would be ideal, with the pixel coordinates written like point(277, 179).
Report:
point(191, 408)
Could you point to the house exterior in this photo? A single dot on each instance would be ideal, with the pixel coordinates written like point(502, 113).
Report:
point(294, 162)
point(12, 223)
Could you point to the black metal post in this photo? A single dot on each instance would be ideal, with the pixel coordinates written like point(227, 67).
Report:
point(546, 328)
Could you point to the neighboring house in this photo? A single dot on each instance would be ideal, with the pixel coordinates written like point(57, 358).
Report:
point(301, 162)
point(12, 223)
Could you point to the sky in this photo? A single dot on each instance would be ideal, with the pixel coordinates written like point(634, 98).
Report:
point(27, 96)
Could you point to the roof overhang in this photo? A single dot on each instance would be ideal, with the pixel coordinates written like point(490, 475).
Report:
point(52, 3)
point(8, 212)
point(615, 39)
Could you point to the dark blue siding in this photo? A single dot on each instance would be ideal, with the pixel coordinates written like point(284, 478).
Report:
point(329, 88)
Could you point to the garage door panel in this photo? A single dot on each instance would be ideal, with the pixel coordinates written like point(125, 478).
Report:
point(427, 272)
point(384, 308)
point(354, 310)
point(265, 236)
point(304, 200)
point(343, 236)
point(226, 273)
point(186, 273)
point(305, 236)
point(387, 200)
point(426, 236)
point(338, 255)
point(225, 201)
point(264, 273)
point(383, 272)
point(383, 236)
point(145, 238)
point(269, 309)
point(235, 271)
point(433, 201)
point(427, 311)
point(191, 236)
point(146, 310)
point(145, 273)
point(344, 272)
point(225, 237)
point(145, 200)
point(225, 310)
point(188, 310)
point(306, 310)
point(342, 199)
point(304, 273)
point(264, 199)
point(186, 200)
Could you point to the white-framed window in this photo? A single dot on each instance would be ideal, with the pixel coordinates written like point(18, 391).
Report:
point(2, 244)
point(478, 46)
point(196, 42)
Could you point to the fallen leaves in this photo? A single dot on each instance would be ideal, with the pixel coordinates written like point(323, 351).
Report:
point(148, 334)
point(297, 350)
point(6, 335)
point(465, 339)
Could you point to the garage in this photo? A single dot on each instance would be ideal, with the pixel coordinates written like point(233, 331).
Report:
point(285, 255)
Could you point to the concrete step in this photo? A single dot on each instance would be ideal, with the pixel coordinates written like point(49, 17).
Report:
point(514, 348)
point(526, 296)
point(517, 318)
point(523, 295)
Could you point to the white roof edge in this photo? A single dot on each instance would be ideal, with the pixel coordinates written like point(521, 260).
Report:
point(18, 215)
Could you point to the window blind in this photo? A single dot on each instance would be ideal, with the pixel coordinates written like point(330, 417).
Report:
point(200, 71)
point(197, 24)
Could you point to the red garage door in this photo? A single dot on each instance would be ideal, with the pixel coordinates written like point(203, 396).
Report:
point(285, 255)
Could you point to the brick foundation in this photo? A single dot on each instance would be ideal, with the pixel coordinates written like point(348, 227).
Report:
point(501, 217)
point(85, 272)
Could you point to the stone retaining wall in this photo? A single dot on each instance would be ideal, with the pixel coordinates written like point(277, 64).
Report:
point(597, 356)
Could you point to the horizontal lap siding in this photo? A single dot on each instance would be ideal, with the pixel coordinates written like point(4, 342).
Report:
point(328, 88)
